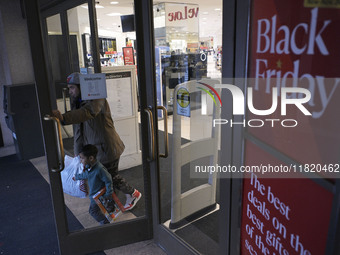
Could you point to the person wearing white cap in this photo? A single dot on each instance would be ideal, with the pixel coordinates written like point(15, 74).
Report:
point(93, 124)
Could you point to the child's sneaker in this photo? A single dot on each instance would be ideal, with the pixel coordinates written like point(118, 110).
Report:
point(131, 200)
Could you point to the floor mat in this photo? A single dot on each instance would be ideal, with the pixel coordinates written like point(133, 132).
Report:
point(202, 234)
point(26, 213)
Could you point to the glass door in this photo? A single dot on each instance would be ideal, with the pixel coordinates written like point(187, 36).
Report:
point(188, 66)
point(75, 43)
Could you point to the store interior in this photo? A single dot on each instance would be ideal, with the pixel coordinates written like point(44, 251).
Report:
point(190, 49)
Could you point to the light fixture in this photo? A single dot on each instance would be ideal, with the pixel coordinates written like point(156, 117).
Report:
point(114, 2)
point(113, 14)
point(217, 9)
point(97, 6)
point(205, 13)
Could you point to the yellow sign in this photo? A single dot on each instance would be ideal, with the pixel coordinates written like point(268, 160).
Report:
point(322, 3)
point(183, 97)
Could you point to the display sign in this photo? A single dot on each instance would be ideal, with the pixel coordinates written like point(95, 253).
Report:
point(129, 57)
point(120, 94)
point(292, 45)
point(296, 46)
point(93, 86)
point(183, 102)
point(282, 216)
point(184, 16)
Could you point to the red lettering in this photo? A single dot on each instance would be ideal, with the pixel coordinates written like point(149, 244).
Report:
point(191, 13)
point(171, 16)
point(178, 15)
point(195, 13)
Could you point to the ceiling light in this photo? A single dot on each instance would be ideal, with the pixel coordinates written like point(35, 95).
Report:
point(217, 9)
point(114, 2)
point(97, 6)
point(205, 13)
point(113, 14)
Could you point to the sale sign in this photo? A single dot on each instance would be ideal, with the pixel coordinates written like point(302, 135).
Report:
point(294, 45)
point(282, 216)
point(128, 55)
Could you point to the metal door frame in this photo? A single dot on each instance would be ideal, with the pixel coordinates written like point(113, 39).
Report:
point(98, 238)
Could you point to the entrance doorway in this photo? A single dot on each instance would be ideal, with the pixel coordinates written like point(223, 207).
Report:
point(168, 75)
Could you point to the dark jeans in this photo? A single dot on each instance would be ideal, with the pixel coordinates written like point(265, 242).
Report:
point(118, 181)
point(97, 214)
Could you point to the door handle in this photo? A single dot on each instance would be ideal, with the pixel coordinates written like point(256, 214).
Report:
point(60, 147)
point(166, 137)
point(151, 135)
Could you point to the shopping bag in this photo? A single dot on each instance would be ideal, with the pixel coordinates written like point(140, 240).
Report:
point(74, 188)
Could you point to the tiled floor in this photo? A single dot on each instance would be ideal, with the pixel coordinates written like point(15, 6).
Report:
point(141, 248)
